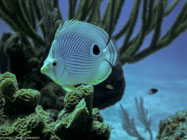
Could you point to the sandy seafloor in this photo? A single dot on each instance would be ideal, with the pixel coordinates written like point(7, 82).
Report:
point(166, 71)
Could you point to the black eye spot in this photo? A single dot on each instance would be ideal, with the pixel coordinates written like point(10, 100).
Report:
point(54, 64)
point(96, 50)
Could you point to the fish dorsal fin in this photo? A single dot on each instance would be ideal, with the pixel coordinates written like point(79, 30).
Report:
point(91, 32)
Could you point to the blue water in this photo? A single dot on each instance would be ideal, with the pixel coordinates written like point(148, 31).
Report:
point(165, 70)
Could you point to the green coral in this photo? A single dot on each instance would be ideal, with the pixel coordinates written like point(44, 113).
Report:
point(23, 100)
point(15, 105)
point(9, 75)
point(77, 122)
point(23, 126)
point(8, 85)
point(6, 130)
point(71, 100)
point(100, 131)
point(24, 117)
point(96, 115)
point(78, 117)
point(31, 125)
point(26, 100)
point(174, 127)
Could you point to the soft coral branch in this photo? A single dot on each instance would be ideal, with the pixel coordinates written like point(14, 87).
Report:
point(142, 114)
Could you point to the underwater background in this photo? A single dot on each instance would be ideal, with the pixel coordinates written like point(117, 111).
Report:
point(165, 70)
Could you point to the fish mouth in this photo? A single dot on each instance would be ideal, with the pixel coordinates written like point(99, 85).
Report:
point(44, 69)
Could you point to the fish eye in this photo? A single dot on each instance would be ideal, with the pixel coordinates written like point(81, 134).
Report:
point(54, 63)
point(96, 50)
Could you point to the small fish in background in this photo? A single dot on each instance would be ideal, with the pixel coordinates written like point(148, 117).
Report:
point(81, 53)
point(152, 91)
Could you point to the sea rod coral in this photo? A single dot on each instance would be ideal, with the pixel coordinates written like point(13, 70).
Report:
point(22, 116)
point(129, 125)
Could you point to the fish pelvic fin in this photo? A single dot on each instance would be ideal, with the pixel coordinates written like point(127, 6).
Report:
point(71, 88)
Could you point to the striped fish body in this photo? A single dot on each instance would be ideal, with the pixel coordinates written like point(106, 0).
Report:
point(83, 54)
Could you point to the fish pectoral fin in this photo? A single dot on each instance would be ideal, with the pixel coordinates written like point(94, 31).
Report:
point(70, 88)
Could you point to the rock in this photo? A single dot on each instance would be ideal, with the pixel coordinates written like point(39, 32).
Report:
point(174, 127)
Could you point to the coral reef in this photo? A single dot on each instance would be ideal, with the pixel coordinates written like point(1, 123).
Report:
point(22, 116)
point(174, 127)
point(84, 122)
point(16, 101)
point(129, 124)
point(37, 111)
point(27, 48)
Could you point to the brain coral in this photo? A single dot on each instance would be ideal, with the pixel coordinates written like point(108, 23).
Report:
point(22, 116)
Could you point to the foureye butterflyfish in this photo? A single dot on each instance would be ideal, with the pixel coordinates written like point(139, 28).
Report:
point(81, 53)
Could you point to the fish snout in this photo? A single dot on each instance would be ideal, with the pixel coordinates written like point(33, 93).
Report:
point(44, 69)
